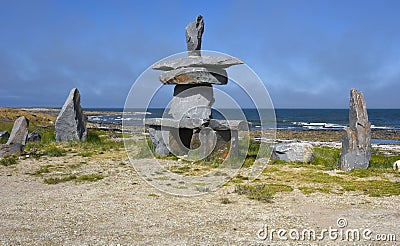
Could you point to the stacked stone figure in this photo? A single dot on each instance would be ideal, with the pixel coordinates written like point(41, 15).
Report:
point(356, 144)
point(190, 124)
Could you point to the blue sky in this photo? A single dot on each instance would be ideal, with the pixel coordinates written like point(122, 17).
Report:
point(308, 53)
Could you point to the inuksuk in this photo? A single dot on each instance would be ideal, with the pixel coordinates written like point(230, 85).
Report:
point(188, 128)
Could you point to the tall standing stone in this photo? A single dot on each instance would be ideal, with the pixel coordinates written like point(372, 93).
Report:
point(356, 143)
point(71, 122)
point(17, 139)
point(194, 33)
point(19, 132)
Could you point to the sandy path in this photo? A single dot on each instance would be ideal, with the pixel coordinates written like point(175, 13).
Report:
point(119, 210)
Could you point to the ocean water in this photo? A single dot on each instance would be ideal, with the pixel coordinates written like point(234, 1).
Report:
point(292, 119)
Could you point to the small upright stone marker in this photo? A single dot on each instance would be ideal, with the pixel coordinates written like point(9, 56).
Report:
point(71, 122)
point(356, 143)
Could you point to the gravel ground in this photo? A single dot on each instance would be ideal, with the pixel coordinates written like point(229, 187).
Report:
point(123, 209)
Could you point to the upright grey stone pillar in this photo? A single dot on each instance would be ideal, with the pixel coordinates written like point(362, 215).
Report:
point(356, 143)
point(71, 122)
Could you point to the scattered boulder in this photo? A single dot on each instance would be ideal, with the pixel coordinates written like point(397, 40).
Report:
point(19, 132)
point(71, 122)
point(356, 143)
point(302, 152)
point(396, 166)
point(34, 137)
point(114, 135)
point(4, 136)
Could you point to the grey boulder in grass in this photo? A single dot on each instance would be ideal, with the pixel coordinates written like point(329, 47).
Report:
point(302, 152)
point(34, 137)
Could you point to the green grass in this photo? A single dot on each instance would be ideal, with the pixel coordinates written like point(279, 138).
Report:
point(278, 176)
point(255, 150)
point(239, 179)
point(57, 180)
point(180, 169)
point(93, 177)
point(308, 190)
point(368, 172)
point(326, 157)
point(6, 126)
point(3, 140)
point(381, 161)
point(225, 200)
point(97, 142)
point(47, 136)
point(42, 170)
point(318, 177)
point(304, 175)
point(72, 177)
point(93, 137)
point(374, 188)
point(54, 151)
point(262, 192)
point(85, 154)
point(314, 177)
point(162, 178)
point(142, 149)
point(8, 160)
